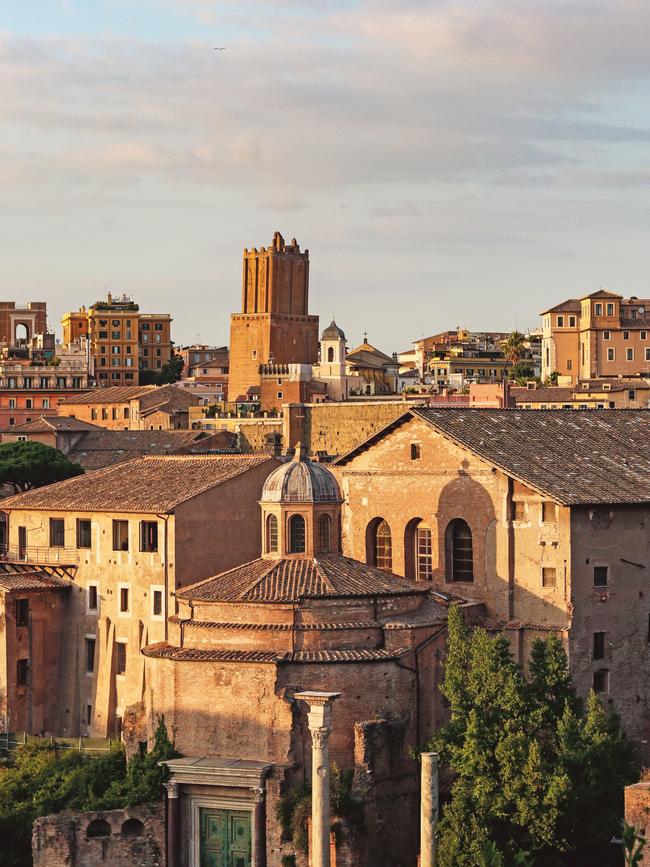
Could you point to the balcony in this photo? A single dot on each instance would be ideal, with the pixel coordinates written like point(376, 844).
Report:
point(37, 555)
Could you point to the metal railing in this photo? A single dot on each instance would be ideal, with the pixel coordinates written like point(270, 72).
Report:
point(88, 746)
point(38, 554)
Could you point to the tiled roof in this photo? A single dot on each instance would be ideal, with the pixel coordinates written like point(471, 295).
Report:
point(112, 394)
point(571, 305)
point(26, 581)
point(49, 424)
point(580, 457)
point(103, 448)
point(551, 394)
point(150, 484)
point(162, 650)
point(289, 580)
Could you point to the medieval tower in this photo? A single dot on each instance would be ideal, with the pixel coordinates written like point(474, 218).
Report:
point(274, 325)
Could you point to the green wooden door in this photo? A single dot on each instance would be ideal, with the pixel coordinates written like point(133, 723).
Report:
point(225, 838)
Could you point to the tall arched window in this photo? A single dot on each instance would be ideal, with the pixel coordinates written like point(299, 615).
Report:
point(459, 551)
point(423, 553)
point(297, 534)
point(330, 354)
point(324, 534)
point(383, 546)
point(271, 534)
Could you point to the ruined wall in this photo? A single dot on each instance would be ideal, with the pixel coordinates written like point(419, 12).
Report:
point(251, 432)
point(128, 837)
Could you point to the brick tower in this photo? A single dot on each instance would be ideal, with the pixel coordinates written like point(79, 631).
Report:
point(274, 325)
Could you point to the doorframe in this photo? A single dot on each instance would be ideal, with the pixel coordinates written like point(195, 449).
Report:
point(217, 803)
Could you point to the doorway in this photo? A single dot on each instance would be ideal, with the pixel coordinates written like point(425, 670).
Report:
point(225, 838)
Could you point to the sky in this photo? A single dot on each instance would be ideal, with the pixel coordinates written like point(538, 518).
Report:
point(454, 163)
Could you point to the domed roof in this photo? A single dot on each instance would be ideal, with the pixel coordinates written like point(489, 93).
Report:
point(332, 332)
point(301, 481)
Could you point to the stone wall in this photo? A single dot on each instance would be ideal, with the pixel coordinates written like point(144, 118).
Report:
point(123, 838)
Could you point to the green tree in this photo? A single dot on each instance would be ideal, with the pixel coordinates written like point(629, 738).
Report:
point(29, 464)
point(513, 347)
point(534, 771)
point(170, 373)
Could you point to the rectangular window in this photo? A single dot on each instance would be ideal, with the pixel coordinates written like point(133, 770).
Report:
point(92, 598)
point(416, 451)
point(104, 414)
point(22, 672)
point(629, 354)
point(549, 576)
point(610, 309)
point(120, 535)
point(519, 510)
point(90, 655)
point(606, 335)
point(149, 536)
point(83, 533)
point(631, 394)
point(626, 335)
point(601, 680)
point(280, 395)
point(57, 533)
point(120, 661)
point(601, 576)
point(157, 602)
point(572, 321)
point(126, 412)
point(22, 612)
point(89, 714)
point(549, 513)
point(115, 335)
point(125, 600)
point(560, 322)
point(598, 309)
point(45, 403)
point(611, 354)
point(12, 403)
point(598, 651)
point(28, 403)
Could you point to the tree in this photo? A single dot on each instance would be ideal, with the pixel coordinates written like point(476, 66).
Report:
point(170, 373)
point(513, 347)
point(534, 770)
point(29, 464)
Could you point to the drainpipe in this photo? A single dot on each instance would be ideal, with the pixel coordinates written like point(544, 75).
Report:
point(165, 518)
point(511, 550)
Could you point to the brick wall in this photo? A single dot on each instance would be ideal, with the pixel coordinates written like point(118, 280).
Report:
point(128, 837)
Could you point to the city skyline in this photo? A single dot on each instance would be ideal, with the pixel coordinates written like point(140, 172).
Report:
point(446, 164)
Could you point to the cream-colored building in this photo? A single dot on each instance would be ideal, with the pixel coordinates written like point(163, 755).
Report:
point(122, 540)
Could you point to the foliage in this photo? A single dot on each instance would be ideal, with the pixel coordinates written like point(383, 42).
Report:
point(522, 372)
point(29, 464)
point(535, 770)
point(169, 373)
point(633, 845)
point(513, 347)
point(39, 779)
point(294, 808)
point(551, 379)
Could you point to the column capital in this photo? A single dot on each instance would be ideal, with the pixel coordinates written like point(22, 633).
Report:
point(259, 795)
point(320, 708)
point(172, 789)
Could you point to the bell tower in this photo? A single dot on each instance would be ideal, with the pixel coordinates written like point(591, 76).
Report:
point(274, 325)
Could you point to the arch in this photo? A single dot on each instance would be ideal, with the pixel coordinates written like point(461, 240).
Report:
point(418, 550)
point(330, 354)
point(133, 828)
point(21, 334)
point(459, 551)
point(98, 828)
point(379, 544)
point(272, 534)
point(324, 534)
point(297, 534)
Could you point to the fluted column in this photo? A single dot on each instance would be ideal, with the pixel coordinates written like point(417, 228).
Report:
point(319, 721)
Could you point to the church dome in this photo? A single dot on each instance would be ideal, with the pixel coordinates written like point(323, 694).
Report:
point(332, 332)
point(301, 481)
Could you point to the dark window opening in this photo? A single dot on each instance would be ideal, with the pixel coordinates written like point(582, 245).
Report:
point(93, 598)
point(272, 534)
point(599, 646)
point(549, 513)
point(120, 535)
point(297, 534)
point(157, 603)
point(83, 533)
point(460, 551)
point(423, 553)
point(600, 576)
point(57, 533)
point(124, 599)
point(90, 654)
point(22, 612)
point(120, 662)
point(149, 536)
point(416, 451)
point(98, 828)
point(601, 680)
point(22, 672)
point(324, 534)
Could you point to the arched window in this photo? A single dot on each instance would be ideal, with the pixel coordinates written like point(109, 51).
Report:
point(133, 828)
point(383, 546)
point(272, 534)
point(98, 828)
point(459, 551)
point(297, 534)
point(324, 530)
point(330, 354)
point(423, 553)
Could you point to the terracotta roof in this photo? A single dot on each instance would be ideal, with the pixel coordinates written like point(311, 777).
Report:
point(289, 580)
point(102, 448)
point(112, 394)
point(600, 385)
point(150, 484)
point(550, 394)
point(163, 650)
point(31, 581)
point(50, 424)
point(571, 305)
point(580, 457)
point(602, 293)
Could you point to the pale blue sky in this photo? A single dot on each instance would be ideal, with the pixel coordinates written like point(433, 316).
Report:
point(466, 162)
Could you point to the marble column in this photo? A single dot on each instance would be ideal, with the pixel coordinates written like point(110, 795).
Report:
point(259, 839)
point(173, 824)
point(428, 808)
point(319, 721)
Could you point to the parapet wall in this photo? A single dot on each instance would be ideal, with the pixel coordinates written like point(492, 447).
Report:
point(121, 838)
